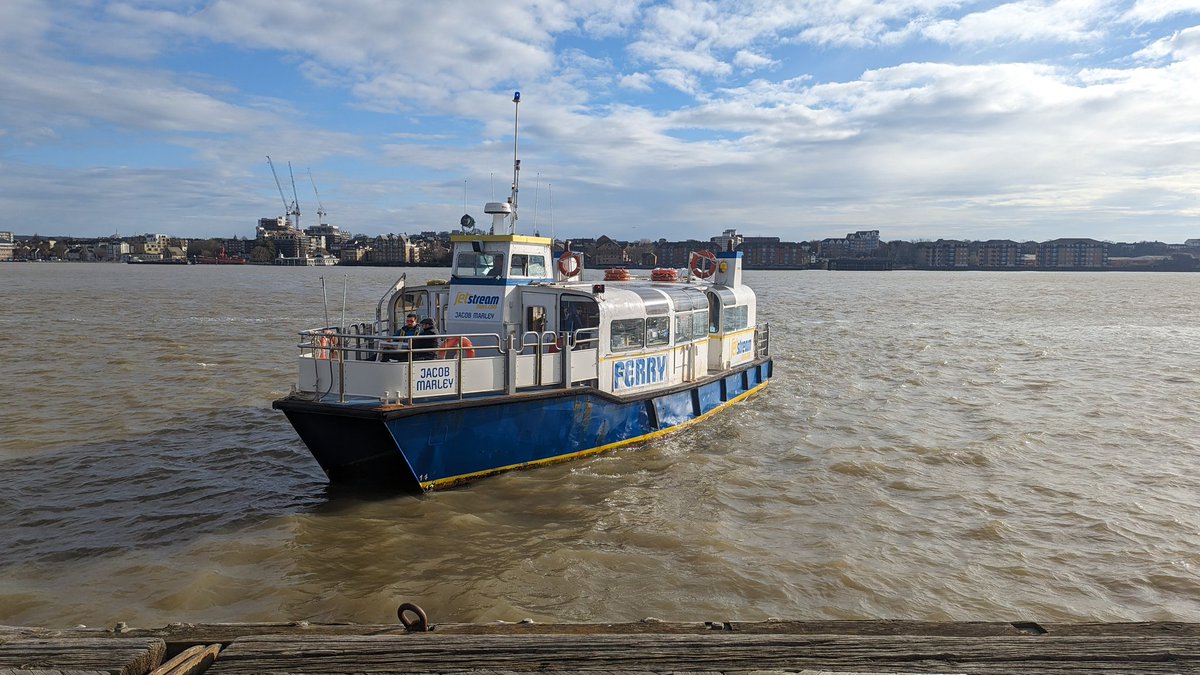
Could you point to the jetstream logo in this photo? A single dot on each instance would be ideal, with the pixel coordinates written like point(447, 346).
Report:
point(477, 300)
point(639, 372)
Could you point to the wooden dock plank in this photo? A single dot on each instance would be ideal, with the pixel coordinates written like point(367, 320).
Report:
point(724, 652)
point(73, 654)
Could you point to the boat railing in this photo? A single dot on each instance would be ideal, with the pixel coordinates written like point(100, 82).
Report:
point(362, 362)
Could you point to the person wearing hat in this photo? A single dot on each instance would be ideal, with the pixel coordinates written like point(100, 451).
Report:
point(425, 348)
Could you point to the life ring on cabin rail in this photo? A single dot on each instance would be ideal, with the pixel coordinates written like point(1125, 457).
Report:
point(697, 266)
point(454, 344)
point(573, 269)
point(616, 274)
point(664, 274)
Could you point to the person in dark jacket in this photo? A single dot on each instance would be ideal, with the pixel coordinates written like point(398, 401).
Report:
point(424, 348)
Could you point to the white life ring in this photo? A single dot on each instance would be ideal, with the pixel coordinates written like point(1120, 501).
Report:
point(701, 270)
point(572, 269)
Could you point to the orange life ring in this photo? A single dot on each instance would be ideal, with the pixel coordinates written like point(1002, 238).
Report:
point(572, 270)
point(697, 266)
point(452, 345)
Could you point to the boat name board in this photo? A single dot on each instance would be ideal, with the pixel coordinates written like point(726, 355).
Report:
point(474, 307)
point(639, 372)
point(434, 380)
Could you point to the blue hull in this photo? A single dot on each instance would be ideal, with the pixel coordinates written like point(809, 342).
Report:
point(437, 445)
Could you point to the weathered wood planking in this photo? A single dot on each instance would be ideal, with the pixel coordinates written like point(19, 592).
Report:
point(180, 635)
point(724, 652)
point(134, 656)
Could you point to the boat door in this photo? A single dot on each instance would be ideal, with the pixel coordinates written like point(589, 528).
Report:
point(539, 311)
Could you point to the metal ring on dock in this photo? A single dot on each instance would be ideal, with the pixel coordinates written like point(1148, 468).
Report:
point(420, 625)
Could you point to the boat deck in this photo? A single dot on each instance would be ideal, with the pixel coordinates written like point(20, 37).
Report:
point(648, 646)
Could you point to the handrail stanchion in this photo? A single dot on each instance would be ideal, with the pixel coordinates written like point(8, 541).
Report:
point(341, 356)
point(567, 348)
point(510, 366)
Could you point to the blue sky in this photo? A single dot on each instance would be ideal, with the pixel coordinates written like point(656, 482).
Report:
point(923, 119)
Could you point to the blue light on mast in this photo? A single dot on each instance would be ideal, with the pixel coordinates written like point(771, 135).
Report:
point(516, 97)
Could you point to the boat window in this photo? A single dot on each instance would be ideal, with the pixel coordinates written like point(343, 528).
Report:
point(536, 266)
point(714, 313)
point(535, 318)
point(683, 327)
point(627, 334)
point(736, 318)
point(699, 326)
point(475, 264)
point(579, 314)
point(658, 330)
point(415, 303)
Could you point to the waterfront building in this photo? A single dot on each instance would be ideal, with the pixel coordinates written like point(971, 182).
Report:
point(6, 245)
point(1072, 253)
point(1000, 253)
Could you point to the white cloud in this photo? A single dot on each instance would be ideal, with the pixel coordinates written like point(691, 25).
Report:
point(636, 82)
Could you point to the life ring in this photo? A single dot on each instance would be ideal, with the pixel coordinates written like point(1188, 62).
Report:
point(569, 270)
point(453, 344)
point(697, 266)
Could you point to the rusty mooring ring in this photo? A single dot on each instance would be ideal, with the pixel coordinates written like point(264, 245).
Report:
point(419, 625)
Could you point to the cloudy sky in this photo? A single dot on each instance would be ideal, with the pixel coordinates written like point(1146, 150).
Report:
point(803, 119)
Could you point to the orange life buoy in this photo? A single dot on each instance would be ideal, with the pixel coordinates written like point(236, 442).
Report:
point(616, 274)
point(699, 268)
point(570, 270)
point(663, 274)
point(453, 345)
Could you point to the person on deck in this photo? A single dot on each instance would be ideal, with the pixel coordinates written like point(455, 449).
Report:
point(400, 347)
point(424, 348)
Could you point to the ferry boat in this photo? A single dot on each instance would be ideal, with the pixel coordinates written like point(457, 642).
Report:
point(530, 365)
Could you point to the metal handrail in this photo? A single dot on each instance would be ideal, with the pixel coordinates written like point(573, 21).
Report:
point(338, 344)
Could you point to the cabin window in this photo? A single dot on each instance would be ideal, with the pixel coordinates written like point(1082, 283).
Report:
point(415, 303)
point(627, 334)
point(579, 318)
point(736, 318)
point(714, 313)
point(699, 326)
point(683, 327)
point(658, 330)
point(476, 264)
point(535, 318)
point(525, 265)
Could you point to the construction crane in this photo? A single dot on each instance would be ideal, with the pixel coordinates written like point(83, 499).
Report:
point(320, 207)
point(287, 210)
point(295, 197)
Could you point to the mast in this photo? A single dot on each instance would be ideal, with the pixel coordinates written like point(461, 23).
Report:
point(516, 163)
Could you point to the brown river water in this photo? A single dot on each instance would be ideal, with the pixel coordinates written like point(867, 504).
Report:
point(934, 446)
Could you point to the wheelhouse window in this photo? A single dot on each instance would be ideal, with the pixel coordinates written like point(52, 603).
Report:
point(477, 264)
point(627, 334)
point(736, 318)
point(658, 331)
point(526, 265)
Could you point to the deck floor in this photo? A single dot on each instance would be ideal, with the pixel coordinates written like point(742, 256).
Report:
point(645, 647)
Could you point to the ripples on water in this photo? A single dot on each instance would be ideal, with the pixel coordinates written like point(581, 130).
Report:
point(935, 446)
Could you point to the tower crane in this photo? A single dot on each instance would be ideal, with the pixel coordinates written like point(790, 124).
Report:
point(321, 213)
point(287, 210)
point(295, 197)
